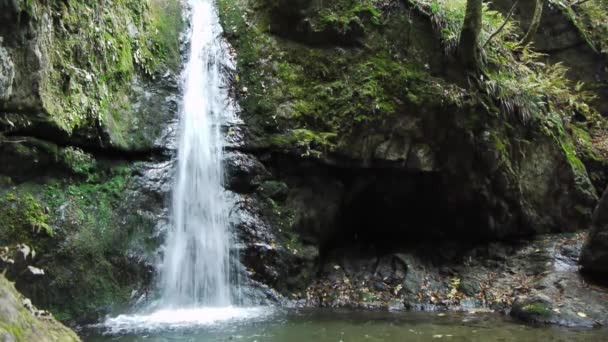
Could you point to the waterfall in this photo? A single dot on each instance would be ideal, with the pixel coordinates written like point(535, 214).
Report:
point(195, 284)
point(196, 266)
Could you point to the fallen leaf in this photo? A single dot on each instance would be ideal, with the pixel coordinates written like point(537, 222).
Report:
point(581, 314)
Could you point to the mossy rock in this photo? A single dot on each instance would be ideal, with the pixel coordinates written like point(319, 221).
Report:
point(18, 323)
point(82, 229)
point(78, 66)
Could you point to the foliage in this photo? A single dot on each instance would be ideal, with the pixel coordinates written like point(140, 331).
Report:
point(24, 219)
point(345, 14)
point(514, 75)
point(79, 162)
point(79, 235)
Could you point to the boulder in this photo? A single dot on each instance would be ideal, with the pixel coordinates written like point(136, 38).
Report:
point(594, 257)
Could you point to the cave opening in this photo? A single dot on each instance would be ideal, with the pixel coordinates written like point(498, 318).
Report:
point(387, 210)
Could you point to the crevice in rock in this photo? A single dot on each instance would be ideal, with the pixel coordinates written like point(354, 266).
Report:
point(104, 152)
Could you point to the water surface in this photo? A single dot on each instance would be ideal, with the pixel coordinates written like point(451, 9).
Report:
point(333, 326)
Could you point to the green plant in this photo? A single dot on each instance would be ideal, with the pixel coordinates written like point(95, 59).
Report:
point(24, 219)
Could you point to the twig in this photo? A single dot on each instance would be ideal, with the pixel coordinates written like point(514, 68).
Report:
point(503, 24)
point(578, 3)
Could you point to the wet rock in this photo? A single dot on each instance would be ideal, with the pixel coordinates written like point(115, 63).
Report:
point(540, 309)
point(533, 309)
point(594, 257)
point(244, 172)
point(7, 74)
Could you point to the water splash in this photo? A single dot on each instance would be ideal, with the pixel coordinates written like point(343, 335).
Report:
point(178, 319)
point(196, 268)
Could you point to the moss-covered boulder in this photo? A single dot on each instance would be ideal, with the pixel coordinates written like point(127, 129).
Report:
point(20, 321)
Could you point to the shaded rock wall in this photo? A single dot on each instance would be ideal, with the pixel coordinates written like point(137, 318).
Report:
point(594, 258)
point(367, 138)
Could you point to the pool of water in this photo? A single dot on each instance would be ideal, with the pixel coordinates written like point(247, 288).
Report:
point(293, 325)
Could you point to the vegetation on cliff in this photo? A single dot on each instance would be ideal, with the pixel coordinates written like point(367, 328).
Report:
point(377, 85)
point(92, 75)
point(90, 55)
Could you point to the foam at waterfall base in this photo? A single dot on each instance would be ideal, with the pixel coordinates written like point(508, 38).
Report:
point(170, 319)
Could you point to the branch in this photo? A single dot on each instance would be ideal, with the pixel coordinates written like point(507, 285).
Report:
point(503, 24)
point(538, 14)
point(577, 3)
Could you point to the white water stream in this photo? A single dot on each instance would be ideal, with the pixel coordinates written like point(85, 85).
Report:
point(197, 264)
point(196, 288)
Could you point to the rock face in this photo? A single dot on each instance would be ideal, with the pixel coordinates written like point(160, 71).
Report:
point(360, 142)
point(363, 160)
point(88, 101)
point(64, 80)
point(594, 258)
point(21, 322)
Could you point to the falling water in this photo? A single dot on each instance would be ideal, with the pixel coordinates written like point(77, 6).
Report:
point(195, 271)
point(195, 275)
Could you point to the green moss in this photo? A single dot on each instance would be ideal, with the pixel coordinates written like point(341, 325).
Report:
point(167, 23)
point(290, 86)
point(302, 138)
point(79, 162)
point(343, 15)
point(93, 245)
point(12, 329)
point(501, 145)
point(94, 51)
point(24, 219)
point(20, 324)
point(86, 260)
point(537, 310)
point(302, 90)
